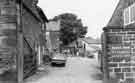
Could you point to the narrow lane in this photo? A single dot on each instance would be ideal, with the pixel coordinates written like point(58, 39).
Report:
point(77, 70)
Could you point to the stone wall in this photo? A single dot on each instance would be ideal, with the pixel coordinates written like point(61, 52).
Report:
point(120, 53)
point(7, 33)
point(31, 23)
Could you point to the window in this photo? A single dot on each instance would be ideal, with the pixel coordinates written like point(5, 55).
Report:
point(126, 16)
point(132, 13)
point(129, 15)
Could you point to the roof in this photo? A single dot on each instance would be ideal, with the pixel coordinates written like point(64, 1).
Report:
point(117, 17)
point(53, 26)
point(93, 44)
point(42, 15)
point(36, 11)
point(91, 40)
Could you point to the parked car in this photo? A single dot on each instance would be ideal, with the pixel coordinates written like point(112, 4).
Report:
point(58, 58)
point(91, 56)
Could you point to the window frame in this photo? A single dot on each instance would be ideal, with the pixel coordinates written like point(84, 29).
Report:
point(132, 14)
point(126, 10)
point(129, 9)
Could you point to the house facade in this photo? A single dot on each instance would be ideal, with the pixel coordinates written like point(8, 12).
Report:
point(119, 44)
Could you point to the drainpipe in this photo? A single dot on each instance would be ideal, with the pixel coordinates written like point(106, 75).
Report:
point(20, 54)
point(44, 36)
point(41, 46)
point(105, 63)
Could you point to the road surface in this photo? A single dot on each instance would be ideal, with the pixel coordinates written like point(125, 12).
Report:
point(77, 70)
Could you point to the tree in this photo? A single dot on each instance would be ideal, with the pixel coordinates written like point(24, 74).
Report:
point(71, 28)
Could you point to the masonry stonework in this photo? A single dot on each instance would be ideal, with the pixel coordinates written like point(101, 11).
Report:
point(121, 53)
point(32, 21)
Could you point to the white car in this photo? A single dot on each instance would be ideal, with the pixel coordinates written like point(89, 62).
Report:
point(59, 58)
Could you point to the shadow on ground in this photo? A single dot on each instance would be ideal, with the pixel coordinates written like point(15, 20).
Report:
point(57, 65)
point(8, 77)
point(98, 75)
point(41, 73)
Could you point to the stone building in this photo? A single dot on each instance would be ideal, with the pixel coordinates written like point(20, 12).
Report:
point(119, 43)
point(89, 47)
point(32, 26)
point(53, 35)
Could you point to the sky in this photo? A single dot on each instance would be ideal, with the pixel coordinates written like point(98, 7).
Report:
point(94, 13)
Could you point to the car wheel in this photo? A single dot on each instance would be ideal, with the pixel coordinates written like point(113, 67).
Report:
point(52, 64)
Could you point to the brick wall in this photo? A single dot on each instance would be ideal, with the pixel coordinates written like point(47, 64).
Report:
point(120, 52)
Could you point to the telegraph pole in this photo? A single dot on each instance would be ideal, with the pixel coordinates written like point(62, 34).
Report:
point(19, 56)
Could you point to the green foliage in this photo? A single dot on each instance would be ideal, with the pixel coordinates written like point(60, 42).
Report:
point(71, 28)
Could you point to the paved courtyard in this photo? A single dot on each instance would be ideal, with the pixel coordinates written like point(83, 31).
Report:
point(77, 70)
